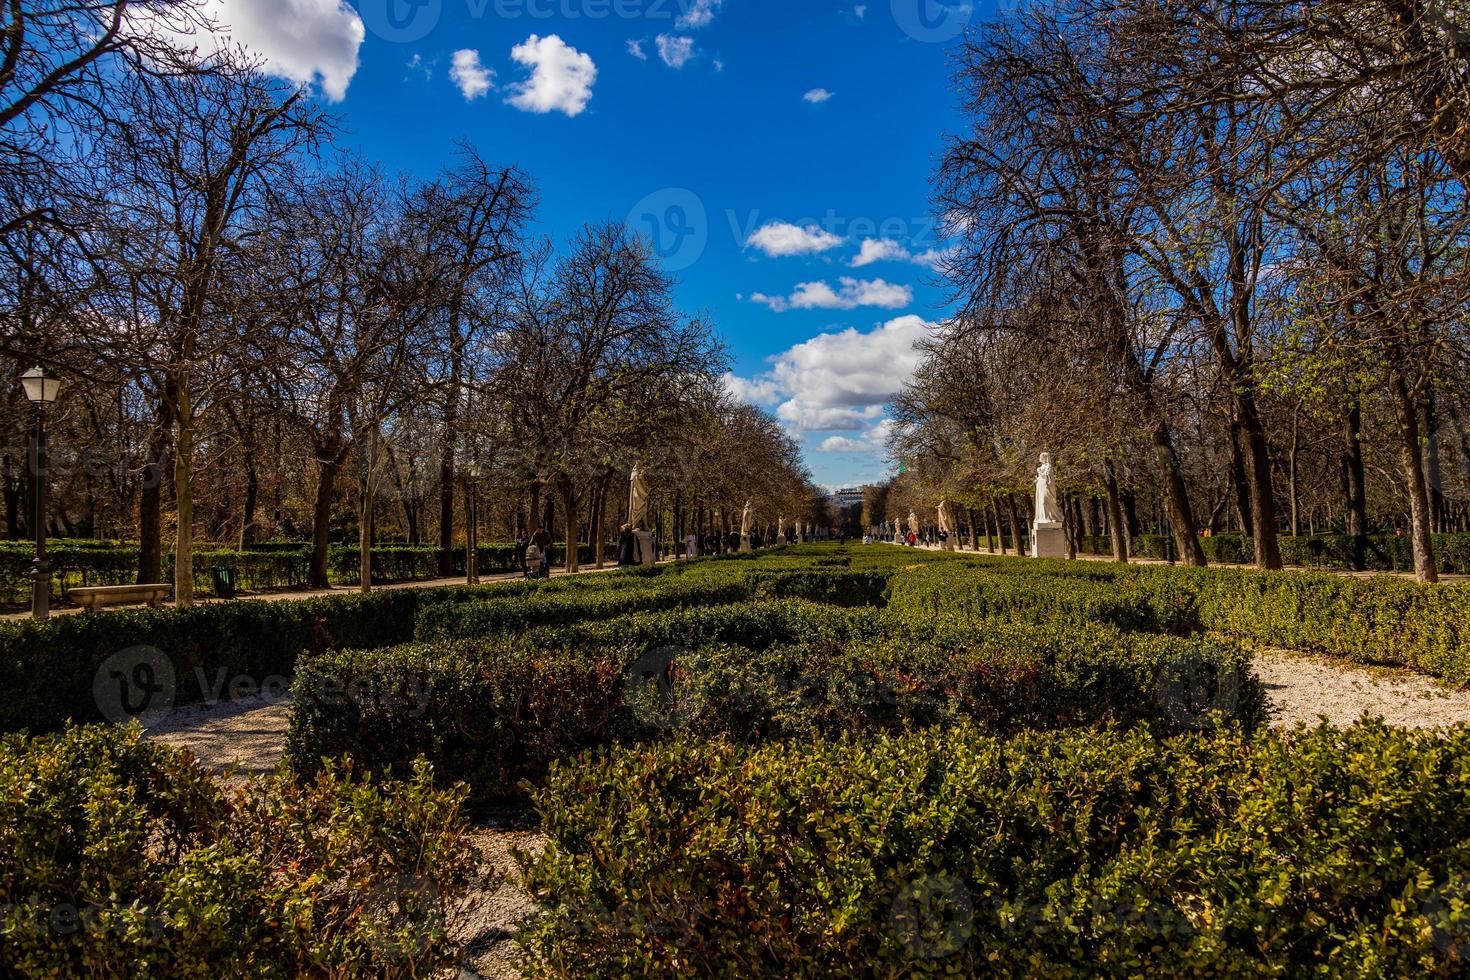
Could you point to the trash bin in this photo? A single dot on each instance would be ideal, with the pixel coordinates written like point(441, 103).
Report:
point(224, 581)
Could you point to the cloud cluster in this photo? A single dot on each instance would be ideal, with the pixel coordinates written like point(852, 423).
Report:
point(675, 51)
point(308, 42)
point(849, 295)
point(561, 76)
point(699, 14)
point(780, 239)
point(473, 78)
point(839, 382)
point(817, 95)
point(875, 250)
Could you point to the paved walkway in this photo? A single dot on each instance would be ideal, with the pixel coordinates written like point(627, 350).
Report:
point(434, 583)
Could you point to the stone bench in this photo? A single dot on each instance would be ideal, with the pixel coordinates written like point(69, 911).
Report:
point(93, 598)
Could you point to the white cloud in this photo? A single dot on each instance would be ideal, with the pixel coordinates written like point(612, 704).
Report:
point(698, 14)
point(873, 440)
point(887, 250)
point(753, 391)
point(879, 250)
point(675, 51)
point(308, 42)
point(817, 95)
point(849, 295)
point(840, 382)
point(473, 78)
point(635, 48)
point(561, 76)
point(418, 65)
point(860, 11)
point(779, 239)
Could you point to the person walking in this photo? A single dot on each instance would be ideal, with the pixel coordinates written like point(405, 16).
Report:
point(542, 540)
point(521, 544)
point(627, 547)
point(691, 545)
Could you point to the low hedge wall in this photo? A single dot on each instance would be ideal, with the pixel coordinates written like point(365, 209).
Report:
point(123, 858)
point(1334, 552)
point(1383, 620)
point(54, 670)
point(1045, 855)
point(500, 709)
point(441, 622)
point(273, 565)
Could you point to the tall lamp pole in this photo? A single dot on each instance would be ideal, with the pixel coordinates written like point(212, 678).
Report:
point(471, 522)
point(42, 388)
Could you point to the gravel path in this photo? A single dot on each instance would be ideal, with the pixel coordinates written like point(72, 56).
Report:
point(1305, 689)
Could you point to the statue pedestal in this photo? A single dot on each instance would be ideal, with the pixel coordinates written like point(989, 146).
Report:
point(745, 543)
point(1048, 540)
point(645, 554)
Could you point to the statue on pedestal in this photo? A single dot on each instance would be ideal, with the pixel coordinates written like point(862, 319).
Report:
point(638, 517)
point(946, 527)
point(745, 528)
point(1047, 511)
point(1047, 537)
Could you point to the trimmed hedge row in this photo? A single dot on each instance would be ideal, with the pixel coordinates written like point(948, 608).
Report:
point(275, 565)
point(500, 709)
point(1336, 552)
point(450, 621)
point(53, 671)
point(954, 853)
point(121, 858)
point(1380, 620)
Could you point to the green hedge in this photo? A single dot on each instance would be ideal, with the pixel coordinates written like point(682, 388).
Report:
point(120, 858)
point(499, 709)
point(50, 670)
point(1334, 552)
point(274, 565)
point(443, 622)
point(1342, 853)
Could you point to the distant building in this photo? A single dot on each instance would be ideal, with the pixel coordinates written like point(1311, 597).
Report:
point(849, 497)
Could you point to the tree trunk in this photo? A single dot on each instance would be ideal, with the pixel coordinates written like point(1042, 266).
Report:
point(329, 455)
point(1015, 518)
point(1240, 483)
point(184, 498)
point(1176, 499)
point(252, 497)
point(1412, 461)
point(150, 502)
point(1116, 525)
point(569, 504)
point(1263, 496)
point(1355, 486)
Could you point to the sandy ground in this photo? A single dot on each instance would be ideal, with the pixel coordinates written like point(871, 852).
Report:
point(1306, 689)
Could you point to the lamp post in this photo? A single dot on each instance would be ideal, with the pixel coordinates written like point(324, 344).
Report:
point(42, 388)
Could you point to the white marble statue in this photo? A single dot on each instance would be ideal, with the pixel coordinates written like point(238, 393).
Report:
point(637, 499)
point(1047, 510)
point(745, 527)
point(946, 526)
point(913, 523)
point(781, 529)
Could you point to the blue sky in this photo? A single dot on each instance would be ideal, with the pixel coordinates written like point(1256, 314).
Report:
point(777, 153)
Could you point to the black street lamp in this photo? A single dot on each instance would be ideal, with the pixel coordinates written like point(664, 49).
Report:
point(42, 388)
